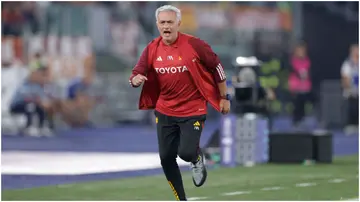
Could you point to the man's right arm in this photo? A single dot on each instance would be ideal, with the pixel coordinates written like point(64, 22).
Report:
point(141, 66)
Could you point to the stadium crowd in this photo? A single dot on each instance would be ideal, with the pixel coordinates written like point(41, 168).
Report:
point(42, 95)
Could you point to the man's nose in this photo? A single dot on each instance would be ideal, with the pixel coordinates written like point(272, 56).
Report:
point(166, 25)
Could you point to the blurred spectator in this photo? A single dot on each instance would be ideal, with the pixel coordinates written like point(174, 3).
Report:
point(12, 19)
point(79, 101)
point(30, 17)
point(15, 15)
point(76, 107)
point(31, 100)
point(350, 82)
point(299, 82)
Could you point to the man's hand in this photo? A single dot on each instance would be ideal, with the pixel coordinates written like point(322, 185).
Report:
point(224, 106)
point(138, 80)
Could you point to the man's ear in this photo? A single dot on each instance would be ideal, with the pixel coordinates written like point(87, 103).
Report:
point(179, 23)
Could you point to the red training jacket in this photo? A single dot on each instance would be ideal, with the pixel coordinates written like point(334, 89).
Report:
point(204, 74)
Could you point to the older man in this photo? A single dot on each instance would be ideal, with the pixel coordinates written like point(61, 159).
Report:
point(181, 74)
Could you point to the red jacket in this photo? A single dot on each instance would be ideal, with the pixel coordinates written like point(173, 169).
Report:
point(202, 74)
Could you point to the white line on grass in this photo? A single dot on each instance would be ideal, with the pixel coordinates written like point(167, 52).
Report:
point(196, 198)
point(309, 184)
point(236, 193)
point(339, 180)
point(271, 188)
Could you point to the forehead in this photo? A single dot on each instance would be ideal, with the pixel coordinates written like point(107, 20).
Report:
point(167, 15)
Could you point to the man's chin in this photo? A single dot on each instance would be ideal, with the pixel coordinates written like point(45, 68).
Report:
point(168, 39)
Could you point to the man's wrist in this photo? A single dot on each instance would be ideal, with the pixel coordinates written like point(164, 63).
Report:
point(131, 82)
point(225, 97)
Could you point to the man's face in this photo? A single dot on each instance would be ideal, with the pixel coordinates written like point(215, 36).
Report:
point(168, 25)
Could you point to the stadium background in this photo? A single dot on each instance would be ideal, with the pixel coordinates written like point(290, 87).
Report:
point(112, 36)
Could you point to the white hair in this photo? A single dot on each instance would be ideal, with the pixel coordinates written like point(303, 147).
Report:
point(168, 8)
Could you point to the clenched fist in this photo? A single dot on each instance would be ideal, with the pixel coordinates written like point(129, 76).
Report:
point(138, 80)
point(224, 106)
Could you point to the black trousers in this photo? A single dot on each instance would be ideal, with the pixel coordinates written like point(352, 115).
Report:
point(299, 101)
point(353, 111)
point(29, 109)
point(178, 136)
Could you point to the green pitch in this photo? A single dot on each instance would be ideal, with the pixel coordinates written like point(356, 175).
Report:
point(337, 181)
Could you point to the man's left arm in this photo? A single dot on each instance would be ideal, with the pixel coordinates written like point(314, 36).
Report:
point(212, 62)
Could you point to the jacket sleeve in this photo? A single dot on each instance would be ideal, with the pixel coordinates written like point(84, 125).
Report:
point(141, 66)
point(208, 58)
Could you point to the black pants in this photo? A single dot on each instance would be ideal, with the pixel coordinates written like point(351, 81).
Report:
point(353, 111)
point(29, 109)
point(178, 136)
point(299, 101)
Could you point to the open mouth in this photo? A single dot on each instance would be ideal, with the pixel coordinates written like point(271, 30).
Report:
point(167, 33)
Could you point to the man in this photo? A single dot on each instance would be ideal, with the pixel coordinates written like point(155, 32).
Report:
point(350, 82)
point(181, 74)
point(76, 109)
point(73, 83)
point(31, 100)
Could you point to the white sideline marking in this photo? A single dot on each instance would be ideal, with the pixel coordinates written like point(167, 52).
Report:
point(271, 188)
point(305, 184)
point(77, 163)
point(336, 180)
point(236, 193)
point(52, 163)
point(196, 198)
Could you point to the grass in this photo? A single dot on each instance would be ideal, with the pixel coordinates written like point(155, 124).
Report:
point(250, 180)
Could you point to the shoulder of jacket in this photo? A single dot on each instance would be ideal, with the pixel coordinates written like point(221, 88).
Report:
point(190, 37)
point(193, 40)
point(154, 42)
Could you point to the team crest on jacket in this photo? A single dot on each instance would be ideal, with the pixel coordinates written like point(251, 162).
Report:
point(171, 70)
